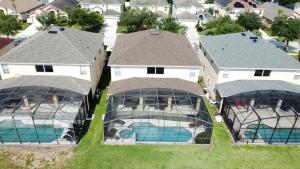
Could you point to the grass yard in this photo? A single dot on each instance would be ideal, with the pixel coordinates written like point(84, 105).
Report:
point(92, 154)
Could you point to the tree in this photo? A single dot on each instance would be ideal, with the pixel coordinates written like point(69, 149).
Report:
point(9, 24)
point(138, 20)
point(222, 25)
point(47, 19)
point(170, 24)
point(249, 20)
point(86, 19)
point(13, 3)
point(209, 1)
point(287, 28)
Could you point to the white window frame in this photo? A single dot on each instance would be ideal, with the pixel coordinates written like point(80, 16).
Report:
point(83, 70)
point(5, 69)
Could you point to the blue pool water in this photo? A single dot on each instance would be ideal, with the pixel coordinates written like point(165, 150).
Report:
point(148, 132)
point(280, 135)
point(126, 133)
point(27, 133)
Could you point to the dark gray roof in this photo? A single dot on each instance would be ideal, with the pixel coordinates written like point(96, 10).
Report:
point(153, 47)
point(144, 83)
point(187, 15)
point(187, 3)
point(60, 82)
point(271, 10)
point(21, 5)
point(149, 3)
point(62, 4)
point(103, 1)
point(238, 51)
point(241, 86)
point(69, 46)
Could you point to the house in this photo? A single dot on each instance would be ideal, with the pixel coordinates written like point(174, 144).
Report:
point(49, 83)
point(154, 86)
point(6, 44)
point(161, 7)
point(110, 7)
point(22, 7)
point(58, 7)
point(234, 7)
point(188, 12)
point(271, 11)
point(256, 85)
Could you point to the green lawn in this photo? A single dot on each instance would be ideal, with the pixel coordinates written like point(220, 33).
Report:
point(92, 154)
point(24, 25)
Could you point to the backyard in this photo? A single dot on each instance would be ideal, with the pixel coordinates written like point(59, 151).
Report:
point(91, 153)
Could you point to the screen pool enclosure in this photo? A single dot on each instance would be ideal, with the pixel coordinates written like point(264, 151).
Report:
point(270, 117)
point(41, 115)
point(157, 116)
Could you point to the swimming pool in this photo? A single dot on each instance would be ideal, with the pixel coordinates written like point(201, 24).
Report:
point(147, 132)
point(28, 133)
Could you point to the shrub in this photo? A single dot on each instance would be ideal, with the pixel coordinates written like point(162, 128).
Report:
point(203, 138)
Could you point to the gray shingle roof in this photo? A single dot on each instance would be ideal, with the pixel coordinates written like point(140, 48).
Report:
point(153, 47)
point(103, 1)
point(69, 46)
point(62, 4)
point(144, 83)
point(187, 15)
point(238, 51)
point(111, 12)
point(241, 86)
point(271, 10)
point(149, 3)
point(187, 3)
point(21, 5)
point(60, 82)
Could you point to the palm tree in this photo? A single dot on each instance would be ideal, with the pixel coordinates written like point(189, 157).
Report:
point(13, 2)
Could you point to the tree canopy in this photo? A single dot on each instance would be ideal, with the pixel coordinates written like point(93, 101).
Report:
point(9, 24)
point(137, 20)
point(287, 28)
point(249, 20)
point(82, 18)
point(222, 25)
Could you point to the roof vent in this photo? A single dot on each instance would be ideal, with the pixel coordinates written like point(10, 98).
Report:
point(243, 33)
point(52, 31)
point(254, 38)
point(154, 32)
point(61, 28)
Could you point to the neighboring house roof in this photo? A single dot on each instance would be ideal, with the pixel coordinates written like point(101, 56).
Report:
point(149, 3)
point(68, 46)
point(271, 10)
point(21, 5)
point(238, 51)
point(153, 47)
point(4, 42)
point(247, 4)
point(103, 1)
point(241, 86)
point(62, 4)
point(187, 3)
point(187, 15)
point(111, 12)
point(60, 82)
point(163, 83)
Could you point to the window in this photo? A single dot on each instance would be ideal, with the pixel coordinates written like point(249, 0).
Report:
point(192, 74)
point(204, 53)
point(39, 68)
point(166, 9)
point(48, 68)
point(150, 70)
point(296, 77)
point(5, 69)
point(83, 70)
point(267, 73)
point(262, 73)
point(159, 70)
point(118, 72)
point(225, 75)
point(43, 68)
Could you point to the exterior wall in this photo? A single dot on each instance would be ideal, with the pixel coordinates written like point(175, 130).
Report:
point(164, 9)
point(58, 70)
point(193, 10)
point(287, 76)
point(96, 69)
point(169, 72)
point(7, 48)
point(10, 12)
point(102, 7)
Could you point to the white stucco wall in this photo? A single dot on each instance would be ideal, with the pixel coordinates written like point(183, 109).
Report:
point(101, 7)
point(58, 70)
point(169, 72)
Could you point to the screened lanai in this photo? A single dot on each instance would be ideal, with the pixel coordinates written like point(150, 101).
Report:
point(262, 116)
point(42, 114)
point(159, 114)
